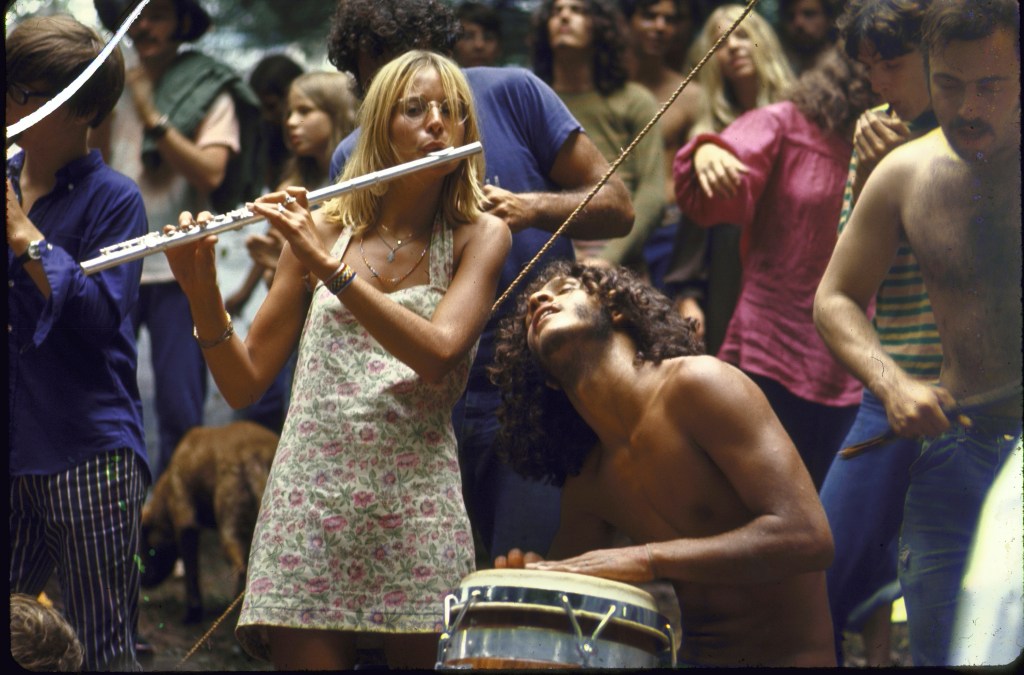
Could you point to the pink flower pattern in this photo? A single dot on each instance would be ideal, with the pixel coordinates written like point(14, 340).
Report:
point(362, 525)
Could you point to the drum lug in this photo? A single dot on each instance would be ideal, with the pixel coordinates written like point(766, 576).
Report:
point(672, 644)
point(585, 647)
point(449, 628)
point(449, 600)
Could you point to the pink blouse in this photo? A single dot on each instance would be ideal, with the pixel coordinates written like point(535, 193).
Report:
point(788, 205)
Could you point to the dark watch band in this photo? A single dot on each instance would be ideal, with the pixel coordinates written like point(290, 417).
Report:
point(158, 130)
point(33, 252)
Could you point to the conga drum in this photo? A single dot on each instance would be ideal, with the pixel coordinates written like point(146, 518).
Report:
point(538, 619)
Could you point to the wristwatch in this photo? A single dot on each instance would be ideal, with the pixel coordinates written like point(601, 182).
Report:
point(157, 131)
point(33, 252)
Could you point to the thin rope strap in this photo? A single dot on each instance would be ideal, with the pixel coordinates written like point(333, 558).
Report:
point(615, 165)
point(207, 634)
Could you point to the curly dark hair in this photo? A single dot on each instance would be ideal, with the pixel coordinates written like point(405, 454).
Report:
point(609, 41)
point(833, 93)
point(892, 27)
point(388, 28)
point(542, 436)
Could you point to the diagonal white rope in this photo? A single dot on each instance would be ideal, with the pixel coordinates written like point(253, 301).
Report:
point(615, 165)
point(70, 90)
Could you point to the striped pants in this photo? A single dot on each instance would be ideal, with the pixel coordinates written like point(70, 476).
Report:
point(84, 523)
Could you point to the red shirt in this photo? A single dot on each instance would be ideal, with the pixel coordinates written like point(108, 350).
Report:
point(788, 205)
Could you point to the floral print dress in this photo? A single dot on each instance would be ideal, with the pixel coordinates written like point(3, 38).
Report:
point(362, 525)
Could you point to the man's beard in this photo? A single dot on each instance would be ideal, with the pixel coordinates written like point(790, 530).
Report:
point(597, 327)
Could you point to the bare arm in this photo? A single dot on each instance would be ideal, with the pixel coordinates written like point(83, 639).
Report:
point(875, 136)
point(787, 532)
point(430, 347)
point(860, 261)
point(203, 167)
point(243, 370)
point(577, 169)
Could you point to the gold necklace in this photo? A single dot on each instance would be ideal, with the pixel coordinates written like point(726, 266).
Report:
point(390, 281)
point(399, 243)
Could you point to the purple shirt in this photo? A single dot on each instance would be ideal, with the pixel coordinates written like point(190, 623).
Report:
point(72, 358)
point(788, 205)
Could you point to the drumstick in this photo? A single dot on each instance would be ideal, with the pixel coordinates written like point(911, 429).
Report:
point(990, 397)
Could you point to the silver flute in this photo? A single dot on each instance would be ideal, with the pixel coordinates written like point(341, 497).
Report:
point(154, 242)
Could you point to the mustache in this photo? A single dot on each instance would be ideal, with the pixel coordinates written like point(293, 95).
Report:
point(971, 125)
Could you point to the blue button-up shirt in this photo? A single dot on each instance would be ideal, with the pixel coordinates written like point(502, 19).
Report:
point(72, 358)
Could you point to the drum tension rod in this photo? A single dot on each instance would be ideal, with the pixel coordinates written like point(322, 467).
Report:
point(585, 646)
point(448, 602)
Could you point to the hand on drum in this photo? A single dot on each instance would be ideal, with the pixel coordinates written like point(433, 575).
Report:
point(516, 560)
point(630, 564)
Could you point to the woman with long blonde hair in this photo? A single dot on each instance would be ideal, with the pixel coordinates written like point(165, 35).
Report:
point(321, 111)
point(748, 71)
point(386, 290)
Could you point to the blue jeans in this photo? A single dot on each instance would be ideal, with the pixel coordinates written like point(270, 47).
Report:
point(657, 253)
point(948, 484)
point(507, 510)
point(863, 499)
point(179, 371)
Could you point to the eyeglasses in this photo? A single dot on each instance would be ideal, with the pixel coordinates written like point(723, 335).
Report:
point(415, 109)
point(20, 95)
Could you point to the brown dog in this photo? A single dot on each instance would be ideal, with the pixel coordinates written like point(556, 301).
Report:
point(215, 480)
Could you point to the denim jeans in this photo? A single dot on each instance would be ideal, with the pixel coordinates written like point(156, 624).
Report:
point(863, 500)
point(948, 483)
point(507, 510)
point(179, 371)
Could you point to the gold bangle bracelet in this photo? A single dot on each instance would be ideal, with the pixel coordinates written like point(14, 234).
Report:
point(224, 337)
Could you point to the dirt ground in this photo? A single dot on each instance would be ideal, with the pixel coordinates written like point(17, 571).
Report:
point(162, 608)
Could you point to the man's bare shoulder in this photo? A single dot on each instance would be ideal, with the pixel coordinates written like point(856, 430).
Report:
point(916, 156)
point(706, 375)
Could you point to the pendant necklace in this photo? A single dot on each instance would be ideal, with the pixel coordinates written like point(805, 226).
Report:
point(399, 243)
point(391, 281)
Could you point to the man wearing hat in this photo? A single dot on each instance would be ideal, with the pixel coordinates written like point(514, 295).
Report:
point(186, 131)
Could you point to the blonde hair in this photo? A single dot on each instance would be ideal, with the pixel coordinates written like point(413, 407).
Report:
point(42, 639)
point(460, 194)
point(333, 94)
point(718, 106)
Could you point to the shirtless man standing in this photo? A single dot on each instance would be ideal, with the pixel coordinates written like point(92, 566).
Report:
point(679, 451)
point(654, 26)
point(954, 196)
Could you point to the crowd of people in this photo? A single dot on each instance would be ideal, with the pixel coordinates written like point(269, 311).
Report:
point(775, 362)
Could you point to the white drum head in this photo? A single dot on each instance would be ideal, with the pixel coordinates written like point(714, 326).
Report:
point(564, 582)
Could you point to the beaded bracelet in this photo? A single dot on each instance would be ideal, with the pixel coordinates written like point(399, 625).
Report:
point(224, 337)
point(341, 279)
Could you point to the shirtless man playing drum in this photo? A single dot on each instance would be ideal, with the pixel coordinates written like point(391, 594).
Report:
point(954, 196)
point(677, 450)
